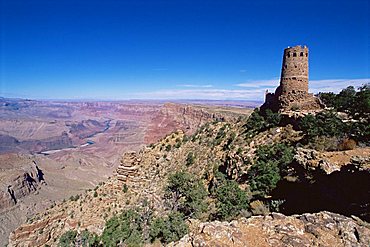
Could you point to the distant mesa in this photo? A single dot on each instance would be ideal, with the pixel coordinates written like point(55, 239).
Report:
point(292, 93)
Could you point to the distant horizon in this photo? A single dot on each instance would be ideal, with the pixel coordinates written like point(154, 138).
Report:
point(336, 87)
point(158, 50)
point(135, 100)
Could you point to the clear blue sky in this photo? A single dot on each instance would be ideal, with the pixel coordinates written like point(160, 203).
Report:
point(117, 49)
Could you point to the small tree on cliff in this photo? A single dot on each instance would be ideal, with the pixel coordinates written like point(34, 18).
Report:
point(231, 200)
point(186, 194)
point(272, 162)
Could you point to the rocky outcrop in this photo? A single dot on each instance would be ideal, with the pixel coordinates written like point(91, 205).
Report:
point(31, 234)
point(320, 229)
point(334, 181)
point(20, 183)
point(128, 168)
point(330, 162)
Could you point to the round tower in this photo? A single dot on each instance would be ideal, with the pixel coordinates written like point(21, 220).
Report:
point(294, 72)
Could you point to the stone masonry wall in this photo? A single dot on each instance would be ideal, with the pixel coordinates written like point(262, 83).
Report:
point(294, 72)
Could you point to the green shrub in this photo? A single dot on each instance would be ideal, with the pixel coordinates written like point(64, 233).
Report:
point(326, 123)
point(263, 177)
point(168, 229)
point(255, 121)
point(87, 239)
point(68, 239)
point(260, 121)
point(125, 228)
point(280, 153)
point(361, 106)
point(272, 162)
point(345, 99)
point(190, 159)
point(329, 99)
point(272, 119)
point(186, 194)
point(231, 200)
point(124, 188)
point(355, 103)
point(74, 198)
point(359, 131)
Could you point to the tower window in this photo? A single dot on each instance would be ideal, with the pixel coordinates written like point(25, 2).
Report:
point(306, 54)
point(301, 55)
point(288, 54)
point(294, 54)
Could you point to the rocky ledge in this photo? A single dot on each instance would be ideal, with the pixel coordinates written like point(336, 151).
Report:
point(18, 181)
point(316, 229)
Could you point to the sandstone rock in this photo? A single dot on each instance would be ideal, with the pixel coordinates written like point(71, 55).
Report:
point(319, 229)
point(330, 162)
point(328, 167)
point(128, 167)
point(19, 183)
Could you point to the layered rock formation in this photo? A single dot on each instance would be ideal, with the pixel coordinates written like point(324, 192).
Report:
point(320, 229)
point(128, 168)
point(183, 117)
point(19, 183)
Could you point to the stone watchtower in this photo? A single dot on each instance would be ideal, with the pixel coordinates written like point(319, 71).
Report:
point(294, 72)
point(292, 93)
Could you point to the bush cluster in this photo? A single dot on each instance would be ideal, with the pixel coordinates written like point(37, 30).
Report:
point(355, 103)
point(186, 194)
point(168, 229)
point(74, 198)
point(130, 228)
point(231, 200)
point(260, 121)
point(73, 238)
point(273, 162)
point(328, 124)
point(190, 159)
